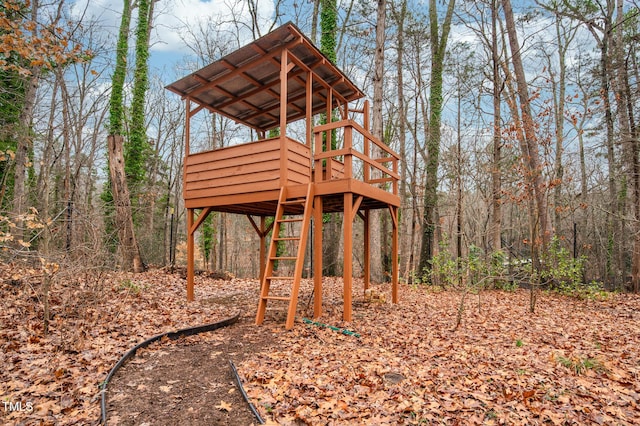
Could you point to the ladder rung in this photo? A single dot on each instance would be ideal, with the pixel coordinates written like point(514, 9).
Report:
point(283, 258)
point(287, 238)
point(286, 299)
point(290, 220)
point(280, 278)
point(297, 201)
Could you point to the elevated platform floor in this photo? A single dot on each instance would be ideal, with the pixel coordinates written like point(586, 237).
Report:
point(264, 203)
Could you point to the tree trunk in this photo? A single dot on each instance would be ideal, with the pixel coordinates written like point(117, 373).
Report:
point(130, 252)
point(405, 216)
point(628, 137)
point(531, 155)
point(438, 51)
point(496, 168)
point(375, 217)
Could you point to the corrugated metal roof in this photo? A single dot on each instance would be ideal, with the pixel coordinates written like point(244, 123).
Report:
point(245, 85)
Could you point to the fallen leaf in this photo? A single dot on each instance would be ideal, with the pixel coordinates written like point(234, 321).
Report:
point(224, 406)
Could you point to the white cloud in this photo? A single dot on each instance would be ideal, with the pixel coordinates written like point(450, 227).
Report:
point(172, 16)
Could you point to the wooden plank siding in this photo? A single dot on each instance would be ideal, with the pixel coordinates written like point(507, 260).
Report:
point(245, 169)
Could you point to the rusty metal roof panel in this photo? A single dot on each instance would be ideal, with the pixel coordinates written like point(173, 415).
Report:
point(244, 85)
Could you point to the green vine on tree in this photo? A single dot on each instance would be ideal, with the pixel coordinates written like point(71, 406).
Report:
point(138, 149)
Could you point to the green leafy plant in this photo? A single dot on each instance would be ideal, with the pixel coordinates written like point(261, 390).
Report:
point(580, 365)
point(564, 274)
point(130, 286)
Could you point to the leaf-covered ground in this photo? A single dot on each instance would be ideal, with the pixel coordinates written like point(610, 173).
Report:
point(572, 362)
point(95, 319)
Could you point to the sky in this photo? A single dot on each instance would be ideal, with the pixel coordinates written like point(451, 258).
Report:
point(171, 17)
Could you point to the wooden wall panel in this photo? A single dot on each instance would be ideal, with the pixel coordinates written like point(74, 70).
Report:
point(246, 168)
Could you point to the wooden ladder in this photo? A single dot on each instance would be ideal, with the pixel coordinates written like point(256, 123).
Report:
point(292, 282)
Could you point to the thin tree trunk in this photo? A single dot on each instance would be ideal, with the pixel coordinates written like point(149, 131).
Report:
point(130, 251)
point(375, 218)
point(25, 143)
point(531, 154)
point(496, 168)
point(438, 52)
point(405, 217)
point(628, 138)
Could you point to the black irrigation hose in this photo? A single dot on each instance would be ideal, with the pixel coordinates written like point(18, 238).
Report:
point(244, 394)
point(173, 335)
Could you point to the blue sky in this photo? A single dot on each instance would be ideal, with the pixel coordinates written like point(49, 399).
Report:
point(171, 17)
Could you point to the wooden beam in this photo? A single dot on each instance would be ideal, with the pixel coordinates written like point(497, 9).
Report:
point(348, 255)
point(356, 206)
point(194, 111)
point(265, 85)
point(262, 232)
point(309, 107)
point(367, 250)
point(263, 246)
point(246, 66)
point(394, 254)
point(283, 117)
point(201, 217)
point(317, 256)
point(187, 130)
point(190, 255)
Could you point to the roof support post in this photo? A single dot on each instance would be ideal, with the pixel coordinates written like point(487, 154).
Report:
point(284, 71)
point(187, 127)
point(309, 106)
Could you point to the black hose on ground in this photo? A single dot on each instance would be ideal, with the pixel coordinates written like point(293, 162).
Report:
point(173, 335)
point(244, 394)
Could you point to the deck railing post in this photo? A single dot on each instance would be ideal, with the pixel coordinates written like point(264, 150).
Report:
point(318, 162)
point(348, 158)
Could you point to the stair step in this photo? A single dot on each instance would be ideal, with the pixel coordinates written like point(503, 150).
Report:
point(287, 238)
point(280, 278)
point(283, 258)
point(284, 299)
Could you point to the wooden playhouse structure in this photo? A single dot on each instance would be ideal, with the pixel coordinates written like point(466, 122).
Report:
point(268, 84)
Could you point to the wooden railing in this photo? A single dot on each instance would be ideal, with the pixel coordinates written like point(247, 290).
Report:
point(374, 170)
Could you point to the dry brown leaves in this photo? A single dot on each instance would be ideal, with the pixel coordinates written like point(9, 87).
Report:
point(572, 362)
point(96, 318)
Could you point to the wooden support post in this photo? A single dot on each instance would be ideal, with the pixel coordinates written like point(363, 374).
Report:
point(309, 108)
point(348, 254)
point(367, 250)
point(190, 238)
point(394, 254)
point(263, 247)
point(317, 256)
point(348, 158)
point(366, 123)
point(262, 232)
point(328, 137)
point(190, 254)
point(284, 69)
point(187, 129)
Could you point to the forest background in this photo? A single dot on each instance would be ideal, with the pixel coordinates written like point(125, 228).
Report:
point(516, 127)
